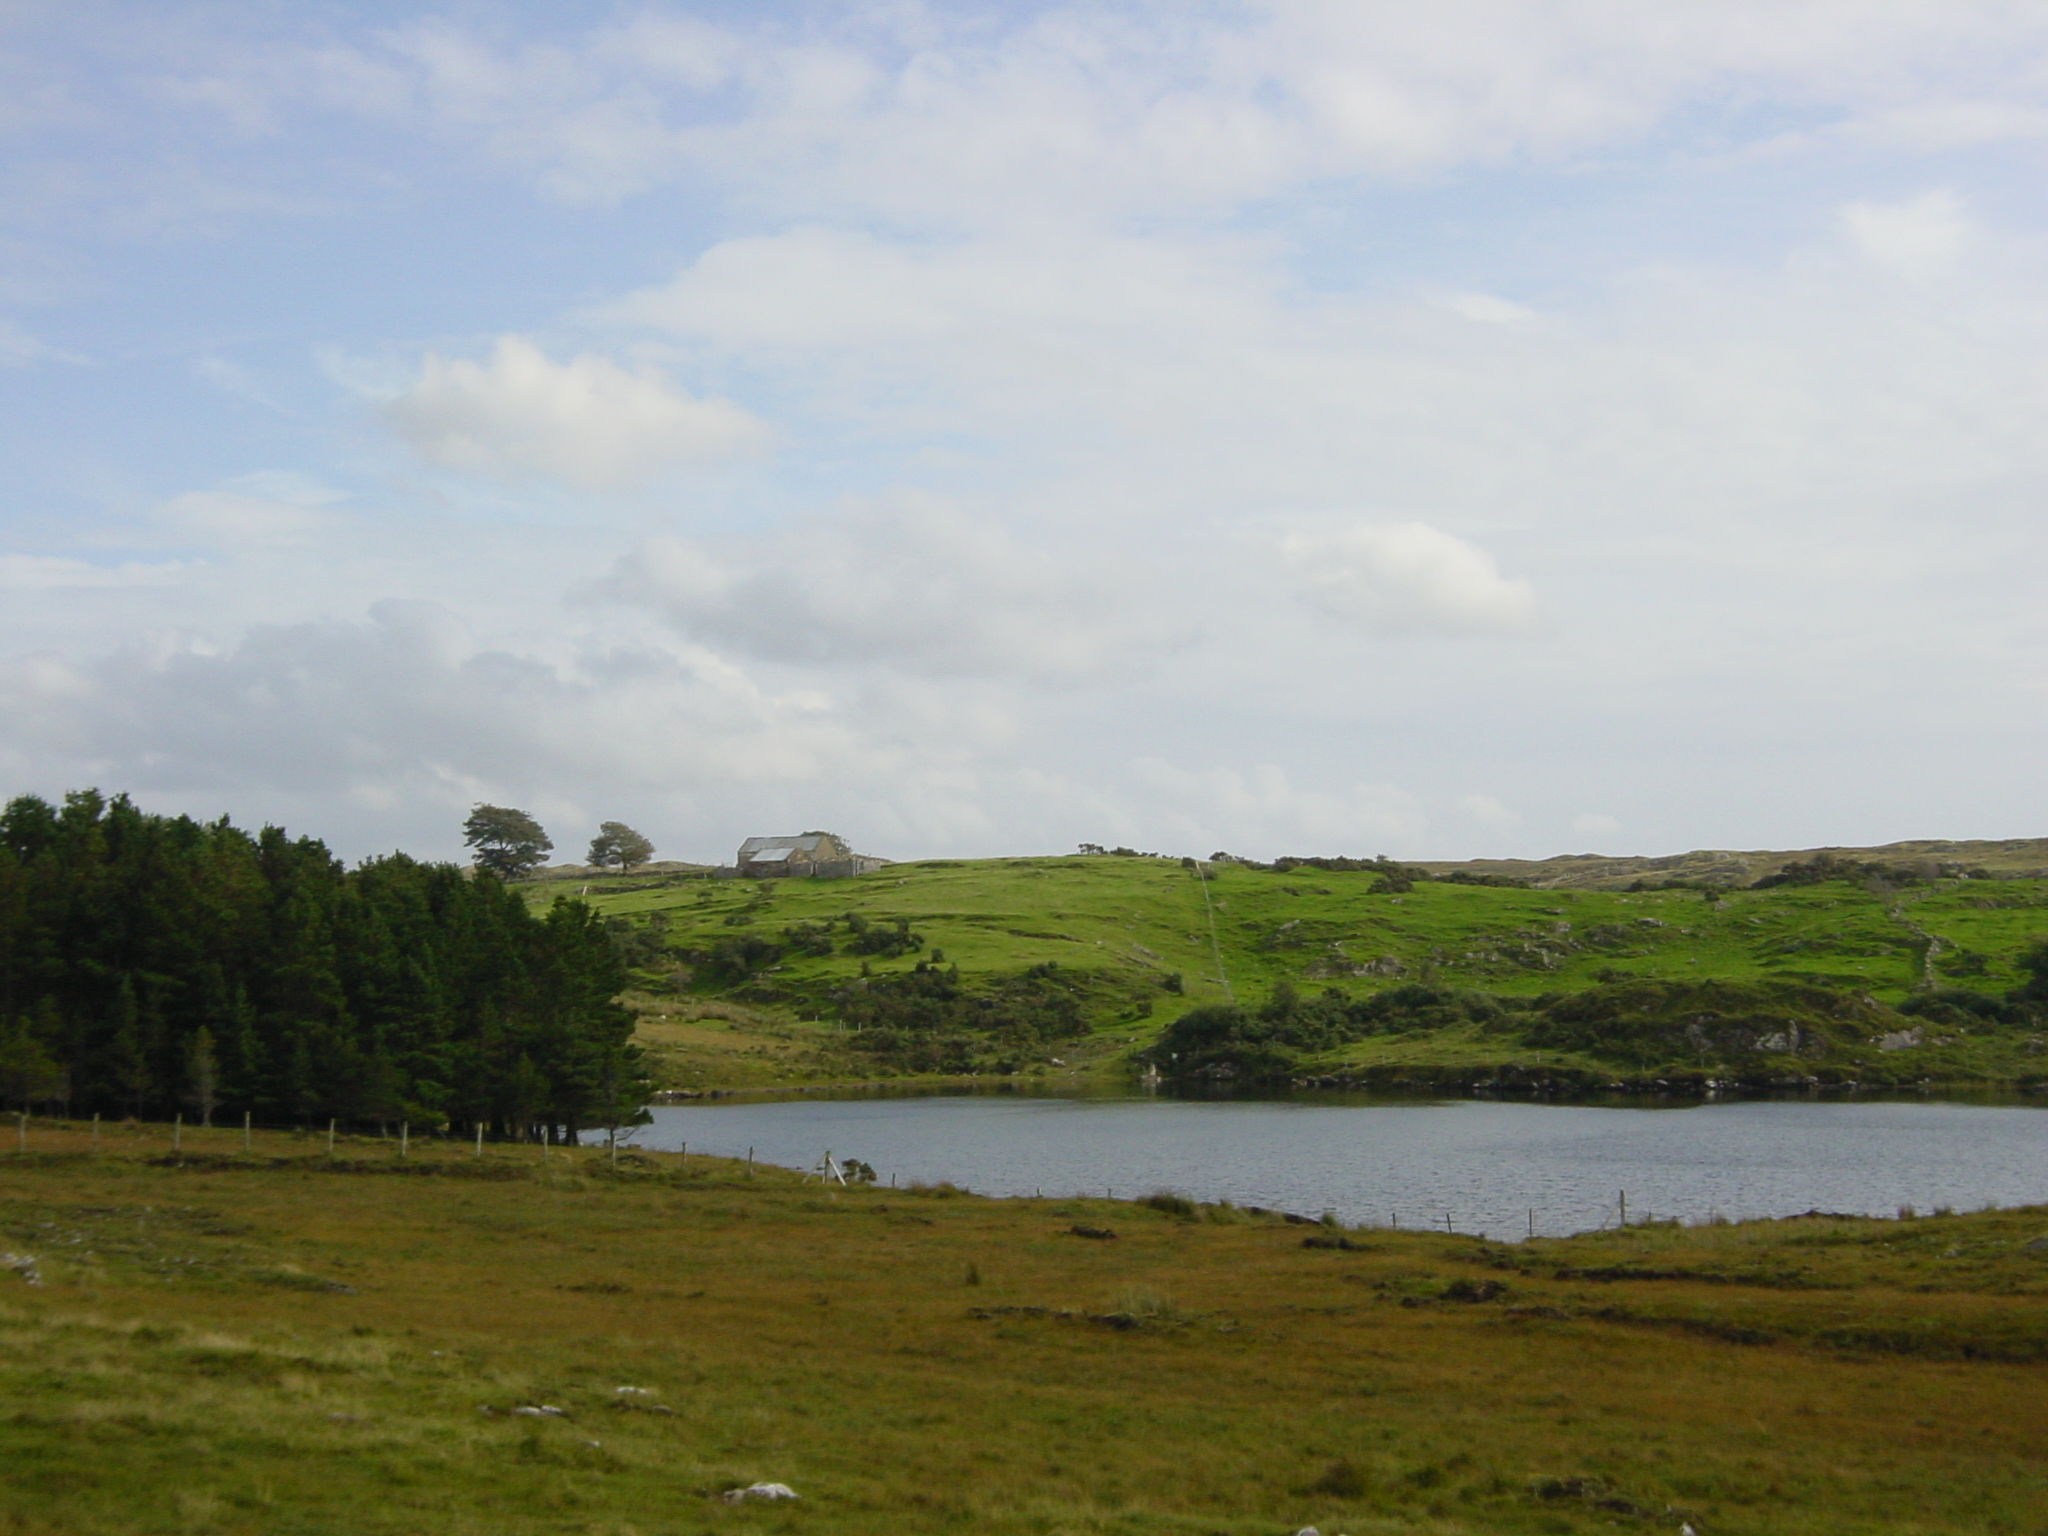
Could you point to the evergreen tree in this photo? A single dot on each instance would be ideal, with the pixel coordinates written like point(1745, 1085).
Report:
point(149, 963)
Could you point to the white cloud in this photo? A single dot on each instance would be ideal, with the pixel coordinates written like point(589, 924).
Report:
point(1407, 578)
point(587, 422)
point(1486, 809)
point(913, 584)
point(956, 115)
point(43, 573)
point(230, 518)
point(40, 679)
point(1487, 309)
point(410, 695)
point(917, 585)
point(1067, 314)
point(1915, 238)
point(1263, 808)
point(18, 349)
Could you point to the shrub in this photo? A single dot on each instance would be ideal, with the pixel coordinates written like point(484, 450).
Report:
point(1342, 1480)
point(886, 940)
point(1644, 1021)
point(737, 958)
point(1226, 1042)
point(808, 938)
point(640, 944)
point(930, 1020)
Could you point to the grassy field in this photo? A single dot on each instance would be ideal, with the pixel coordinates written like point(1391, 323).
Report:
point(1150, 938)
point(278, 1342)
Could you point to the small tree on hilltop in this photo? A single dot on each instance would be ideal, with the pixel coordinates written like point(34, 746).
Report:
point(508, 843)
point(619, 846)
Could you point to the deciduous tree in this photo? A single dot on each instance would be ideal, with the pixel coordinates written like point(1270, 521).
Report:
point(619, 846)
point(509, 843)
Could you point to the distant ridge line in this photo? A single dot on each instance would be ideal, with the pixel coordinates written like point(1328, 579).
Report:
point(2004, 858)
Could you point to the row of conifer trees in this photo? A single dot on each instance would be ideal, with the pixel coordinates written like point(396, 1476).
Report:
point(152, 965)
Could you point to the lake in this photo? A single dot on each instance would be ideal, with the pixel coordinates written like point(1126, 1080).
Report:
point(1483, 1166)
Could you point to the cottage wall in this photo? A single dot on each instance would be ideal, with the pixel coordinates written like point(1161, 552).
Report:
point(825, 858)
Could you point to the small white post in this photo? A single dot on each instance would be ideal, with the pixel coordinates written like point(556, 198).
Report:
point(404, 1136)
point(479, 1138)
point(21, 1132)
point(245, 1130)
point(178, 1132)
point(330, 1138)
point(95, 1130)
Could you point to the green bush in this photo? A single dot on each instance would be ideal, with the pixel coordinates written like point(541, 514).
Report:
point(1654, 1021)
point(1225, 1041)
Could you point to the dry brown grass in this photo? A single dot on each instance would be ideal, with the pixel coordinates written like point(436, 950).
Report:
point(280, 1344)
point(711, 1043)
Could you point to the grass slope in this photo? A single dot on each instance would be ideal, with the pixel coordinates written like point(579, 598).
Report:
point(1130, 928)
point(225, 1343)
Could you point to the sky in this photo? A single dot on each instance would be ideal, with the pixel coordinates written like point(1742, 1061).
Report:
point(1475, 429)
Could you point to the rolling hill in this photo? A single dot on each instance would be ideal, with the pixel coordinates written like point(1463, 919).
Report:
point(1880, 968)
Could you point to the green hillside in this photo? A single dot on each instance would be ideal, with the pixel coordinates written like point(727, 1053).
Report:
point(1067, 968)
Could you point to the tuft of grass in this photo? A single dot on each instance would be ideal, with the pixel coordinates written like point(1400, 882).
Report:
point(1143, 1302)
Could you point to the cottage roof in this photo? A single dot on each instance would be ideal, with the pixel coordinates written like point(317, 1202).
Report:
point(761, 850)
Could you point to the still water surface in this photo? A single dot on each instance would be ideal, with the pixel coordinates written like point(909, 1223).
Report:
point(1485, 1165)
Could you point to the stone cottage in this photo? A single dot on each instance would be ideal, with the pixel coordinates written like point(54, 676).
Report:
point(820, 855)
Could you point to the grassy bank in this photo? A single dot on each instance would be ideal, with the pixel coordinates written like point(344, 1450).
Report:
point(282, 1342)
point(747, 984)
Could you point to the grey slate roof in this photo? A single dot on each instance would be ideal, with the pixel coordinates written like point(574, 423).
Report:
point(761, 850)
